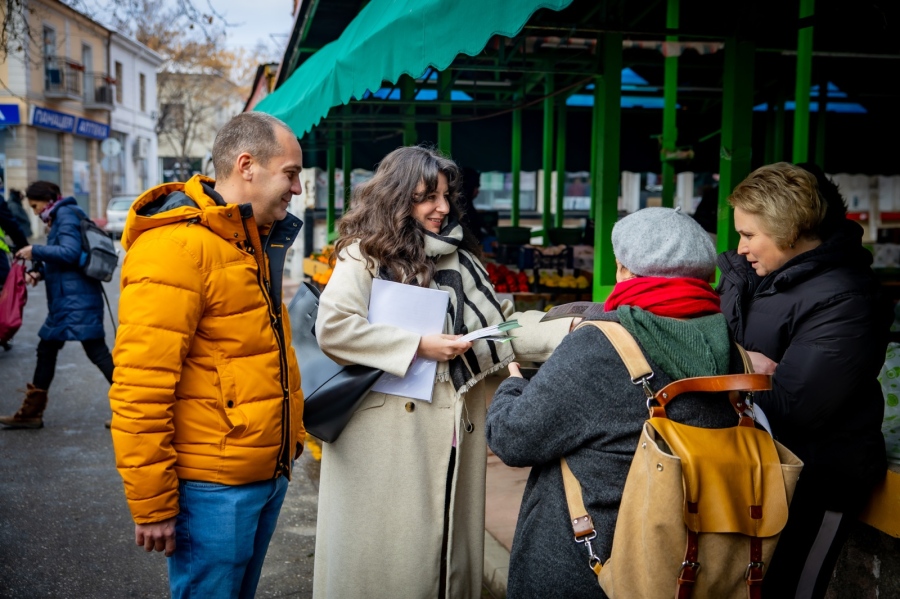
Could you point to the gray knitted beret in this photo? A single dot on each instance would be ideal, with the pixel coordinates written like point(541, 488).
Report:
point(664, 242)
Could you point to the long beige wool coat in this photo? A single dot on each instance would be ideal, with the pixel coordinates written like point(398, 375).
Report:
point(383, 483)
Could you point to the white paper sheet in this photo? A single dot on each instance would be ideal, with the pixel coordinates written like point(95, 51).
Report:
point(417, 309)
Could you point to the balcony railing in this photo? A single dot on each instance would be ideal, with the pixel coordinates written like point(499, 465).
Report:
point(99, 91)
point(62, 78)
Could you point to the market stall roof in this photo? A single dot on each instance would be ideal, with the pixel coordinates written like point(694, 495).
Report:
point(387, 39)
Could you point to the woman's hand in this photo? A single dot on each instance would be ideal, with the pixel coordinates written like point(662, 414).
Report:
point(514, 370)
point(24, 253)
point(575, 322)
point(761, 364)
point(441, 348)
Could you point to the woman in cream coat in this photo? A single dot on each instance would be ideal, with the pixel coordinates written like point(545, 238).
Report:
point(401, 496)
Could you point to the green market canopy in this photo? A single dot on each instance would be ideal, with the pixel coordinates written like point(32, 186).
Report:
point(387, 39)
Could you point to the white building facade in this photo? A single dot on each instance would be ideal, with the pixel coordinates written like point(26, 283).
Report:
point(135, 167)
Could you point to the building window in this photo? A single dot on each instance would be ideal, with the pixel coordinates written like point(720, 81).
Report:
point(49, 157)
point(119, 82)
point(143, 79)
point(49, 41)
point(172, 117)
point(81, 172)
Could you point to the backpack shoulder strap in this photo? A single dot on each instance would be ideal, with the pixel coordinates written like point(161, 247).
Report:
point(582, 524)
point(627, 348)
point(640, 371)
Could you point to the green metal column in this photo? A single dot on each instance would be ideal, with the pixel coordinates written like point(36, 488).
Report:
point(737, 132)
point(346, 160)
point(780, 125)
point(670, 95)
point(560, 161)
point(408, 93)
point(804, 81)
point(331, 159)
point(605, 174)
point(547, 162)
point(444, 112)
point(820, 122)
point(516, 166)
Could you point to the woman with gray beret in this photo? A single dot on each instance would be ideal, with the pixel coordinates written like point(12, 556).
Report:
point(581, 404)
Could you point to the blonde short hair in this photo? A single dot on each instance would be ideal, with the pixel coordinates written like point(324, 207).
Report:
point(785, 198)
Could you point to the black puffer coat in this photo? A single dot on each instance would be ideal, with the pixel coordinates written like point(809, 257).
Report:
point(823, 319)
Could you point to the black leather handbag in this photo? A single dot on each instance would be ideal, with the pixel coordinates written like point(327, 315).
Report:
point(331, 392)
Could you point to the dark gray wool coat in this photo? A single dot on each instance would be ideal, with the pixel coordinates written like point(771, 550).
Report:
point(581, 404)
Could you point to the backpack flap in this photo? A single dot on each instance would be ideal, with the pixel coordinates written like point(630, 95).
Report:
point(718, 497)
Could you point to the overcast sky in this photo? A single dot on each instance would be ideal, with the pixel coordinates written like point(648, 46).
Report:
point(266, 21)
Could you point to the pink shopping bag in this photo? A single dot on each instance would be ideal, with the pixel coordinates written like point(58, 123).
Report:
point(12, 302)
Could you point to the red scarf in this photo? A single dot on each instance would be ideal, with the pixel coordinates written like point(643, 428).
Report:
point(662, 296)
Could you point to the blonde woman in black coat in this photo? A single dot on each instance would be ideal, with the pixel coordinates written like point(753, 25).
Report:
point(800, 295)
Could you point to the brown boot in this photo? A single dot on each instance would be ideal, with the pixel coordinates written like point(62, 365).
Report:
point(29, 415)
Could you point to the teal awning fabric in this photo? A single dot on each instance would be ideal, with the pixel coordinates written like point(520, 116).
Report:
point(387, 39)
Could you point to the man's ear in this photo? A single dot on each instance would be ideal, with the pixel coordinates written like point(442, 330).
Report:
point(244, 166)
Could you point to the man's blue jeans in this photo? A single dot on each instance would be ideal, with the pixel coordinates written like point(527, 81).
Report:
point(221, 537)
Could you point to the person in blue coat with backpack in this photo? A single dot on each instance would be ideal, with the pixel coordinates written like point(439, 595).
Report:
point(74, 301)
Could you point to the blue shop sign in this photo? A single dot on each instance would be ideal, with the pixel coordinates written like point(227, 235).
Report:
point(50, 119)
point(92, 129)
point(68, 123)
point(9, 115)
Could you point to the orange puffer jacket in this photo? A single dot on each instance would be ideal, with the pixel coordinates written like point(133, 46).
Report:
point(206, 384)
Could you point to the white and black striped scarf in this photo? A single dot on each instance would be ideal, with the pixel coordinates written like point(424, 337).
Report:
point(473, 305)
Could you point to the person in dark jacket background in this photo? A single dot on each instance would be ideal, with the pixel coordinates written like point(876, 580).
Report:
point(10, 233)
point(18, 212)
point(800, 295)
point(582, 403)
point(74, 301)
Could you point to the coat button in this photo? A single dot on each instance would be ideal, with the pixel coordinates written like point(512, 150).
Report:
point(410, 406)
point(230, 404)
point(228, 215)
point(235, 234)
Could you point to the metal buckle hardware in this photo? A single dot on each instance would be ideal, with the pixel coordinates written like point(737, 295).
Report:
point(693, 565)
point(753, 565)
point(592, 557)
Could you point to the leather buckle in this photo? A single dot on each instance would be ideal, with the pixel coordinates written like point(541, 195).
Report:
point(695, 566)
point(751, 566)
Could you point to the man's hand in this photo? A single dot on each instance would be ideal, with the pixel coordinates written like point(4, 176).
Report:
point(442, 348)
point(158, 536)
point(24, 253)
point(761, 364)
point(32, 278)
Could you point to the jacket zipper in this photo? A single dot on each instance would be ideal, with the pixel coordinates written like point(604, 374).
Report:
point(282, 464)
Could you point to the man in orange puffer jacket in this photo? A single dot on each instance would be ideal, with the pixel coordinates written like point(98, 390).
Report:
point(206, 400)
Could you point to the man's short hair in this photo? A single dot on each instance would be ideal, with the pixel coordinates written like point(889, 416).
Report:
point(251, 132)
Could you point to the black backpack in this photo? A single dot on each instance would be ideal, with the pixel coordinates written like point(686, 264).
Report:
point(99, 257)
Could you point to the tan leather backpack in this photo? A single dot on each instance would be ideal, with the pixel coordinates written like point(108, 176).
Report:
point(702, 508)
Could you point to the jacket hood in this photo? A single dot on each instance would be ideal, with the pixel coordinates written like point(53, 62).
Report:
point(196, 200)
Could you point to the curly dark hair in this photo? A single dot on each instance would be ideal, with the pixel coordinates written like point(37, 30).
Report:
point(381, 213)
point(43, 191)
